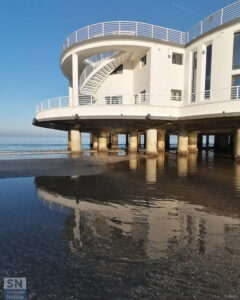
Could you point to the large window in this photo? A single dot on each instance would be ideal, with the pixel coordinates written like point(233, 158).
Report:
point(118, 70)
point(236, 87)
point(208, 72)
point(194, 76)
point(176, 95)
point(236, 51)
point(177, 58)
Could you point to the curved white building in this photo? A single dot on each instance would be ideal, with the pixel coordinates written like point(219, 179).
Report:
point(132, 77)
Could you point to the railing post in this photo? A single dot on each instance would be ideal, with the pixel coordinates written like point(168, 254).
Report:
point(103, 29)
point(136, 33)
point(188, 36)
point(41, 106)
point(152, 31)
point(167, 34)
point(119, 27)
point(201, 27)
point(221, 19)
point(48, 104)
point(59, 102)
point(68, 41)
point(76, 36)
point(88, 32)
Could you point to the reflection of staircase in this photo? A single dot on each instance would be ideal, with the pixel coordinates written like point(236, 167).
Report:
point(94, 80)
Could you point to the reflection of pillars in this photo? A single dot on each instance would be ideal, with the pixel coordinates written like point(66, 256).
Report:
point(133, 161)
point(91, 139)
point(75, 141)
point(69, 140)
point(161, 140)
point(199, 141)
point(76, 229)
point(182, 164)
point(237, 145)
point(192, 142)
point(167, 142)
point(237, 176)
point(102, 141)
point(133, 141)
point(151, 147)
point(183, 143)
point(95, 141)
point(139, 140)
point(115, 140)
point(161, 161)
point(151, 170)
point(127, 142)
point(109, 140)
point(192, 162)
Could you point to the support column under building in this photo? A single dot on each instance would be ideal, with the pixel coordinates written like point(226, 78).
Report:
point(161, 140)
point(69, 140)
point(151, 147)
point(167, 142)
point(237, 145)
point(102, 141)
point(115, 140)
point(183, 143)
point(75, 141)
point(133, 141)
point(193, 142)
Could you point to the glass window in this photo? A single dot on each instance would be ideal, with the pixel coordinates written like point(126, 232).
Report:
point(194, 76)
point(118, 70)
point(208, 72)
point(177, 58)
point(236, 51)
point(176, 95)
point(144, 60)
point(236, 87)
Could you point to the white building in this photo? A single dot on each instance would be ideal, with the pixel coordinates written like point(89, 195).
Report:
point(132, 77)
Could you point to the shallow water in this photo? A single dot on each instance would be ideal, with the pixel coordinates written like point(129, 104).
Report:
point(153, 228)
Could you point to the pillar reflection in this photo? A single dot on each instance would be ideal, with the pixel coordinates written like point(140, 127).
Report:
point(182, 166)
point(237, 176)
point(161, 161)
point(192, 163)
point(133, 161)
point(151, 170)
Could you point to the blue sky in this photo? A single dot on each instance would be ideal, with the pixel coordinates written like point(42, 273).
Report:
point(32, 33)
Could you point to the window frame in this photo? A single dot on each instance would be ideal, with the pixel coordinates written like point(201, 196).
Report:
point(177, 54)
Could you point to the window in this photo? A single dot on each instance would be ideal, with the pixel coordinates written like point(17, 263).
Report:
point(176, 95)
point(208, 72)
point(236, 51)
point(118, 70)
point(194, 76)
point(236, 87)
point(177, 58)
point(143, 60)
point(113, 100)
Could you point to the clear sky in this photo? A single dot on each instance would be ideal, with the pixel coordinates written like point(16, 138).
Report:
point(32, 33)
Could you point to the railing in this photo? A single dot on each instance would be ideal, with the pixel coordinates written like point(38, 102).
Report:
point(114, 28)
point(205, 97)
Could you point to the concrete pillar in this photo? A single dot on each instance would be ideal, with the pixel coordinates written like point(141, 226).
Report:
point(95, 141)
point(167, 142)
point(75, 141)
point(133, 141)
point(161, 140)
point(75, 79)
point(193, 142)
point(70, 91)
point(102, 141)
point(151, 170)
point(151, 147)
point(237, 145)
point(115, 140)
point(69, 140)
point(183, 143)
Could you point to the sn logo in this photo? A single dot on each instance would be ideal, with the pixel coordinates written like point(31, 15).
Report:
point(15, 283)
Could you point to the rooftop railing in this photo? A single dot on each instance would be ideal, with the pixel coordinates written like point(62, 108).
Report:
point(205, 97)
point(116, 28)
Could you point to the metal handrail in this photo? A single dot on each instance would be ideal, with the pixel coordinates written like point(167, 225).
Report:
point(204, 97)
point(115, 28)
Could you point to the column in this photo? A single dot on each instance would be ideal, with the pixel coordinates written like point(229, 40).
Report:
point(151, 147)
point(161, 140)
point(95, 141)
point(183, 143)
point(70, 92)
point(102, 141)
point(237, 145)
point(75, 79)
point(69, 140)
point(192, 142)
point(75, 141)
point(133, 141)
point(115, 140)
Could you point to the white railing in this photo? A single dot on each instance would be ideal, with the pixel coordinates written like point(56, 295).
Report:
point(113, 28)
point(210, 96)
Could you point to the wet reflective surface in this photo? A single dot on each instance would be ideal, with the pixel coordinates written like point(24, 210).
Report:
point(153, 228)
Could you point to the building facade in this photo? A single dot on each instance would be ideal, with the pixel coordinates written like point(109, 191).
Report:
point(132, 77)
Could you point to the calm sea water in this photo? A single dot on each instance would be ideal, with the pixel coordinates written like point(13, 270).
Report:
point(156, 228)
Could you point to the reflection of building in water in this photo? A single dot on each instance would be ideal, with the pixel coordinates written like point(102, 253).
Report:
point(182, 166)
point(132, 161)
point(135, 232)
